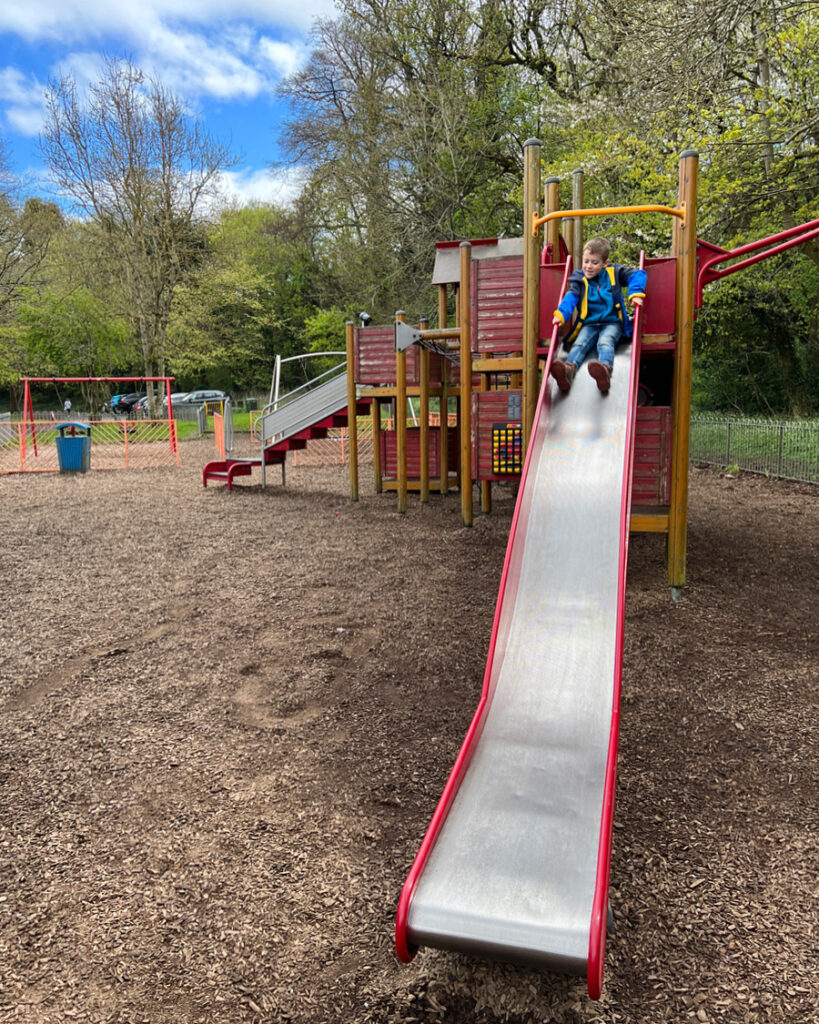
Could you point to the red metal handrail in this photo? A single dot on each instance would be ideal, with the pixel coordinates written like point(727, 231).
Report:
point(787, 239)
point(402, 947)
point(599, 917)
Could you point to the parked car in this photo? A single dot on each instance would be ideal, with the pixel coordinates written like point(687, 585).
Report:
point(176, 396)
point(126, 403)
point(202, 396)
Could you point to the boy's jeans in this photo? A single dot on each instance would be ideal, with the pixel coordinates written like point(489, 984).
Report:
point(604, 336)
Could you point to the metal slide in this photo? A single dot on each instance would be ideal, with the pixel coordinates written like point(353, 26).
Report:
point(515, 862)
point(302, 408)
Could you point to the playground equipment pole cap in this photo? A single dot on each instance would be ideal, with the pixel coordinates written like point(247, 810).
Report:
point(532, 142)
point(689, 152)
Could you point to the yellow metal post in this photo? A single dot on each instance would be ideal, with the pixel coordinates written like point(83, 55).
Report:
point(531, 282)
point(465, 323)
point(686, 245)
point(401, 419)
point(352, 422)
point(424, 414)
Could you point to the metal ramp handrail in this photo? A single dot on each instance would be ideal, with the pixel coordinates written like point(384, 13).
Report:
point(276, 401)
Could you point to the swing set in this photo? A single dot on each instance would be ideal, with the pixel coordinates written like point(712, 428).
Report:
point(117, 444)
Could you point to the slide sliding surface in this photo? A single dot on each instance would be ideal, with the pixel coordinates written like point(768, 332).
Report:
point(515, 863)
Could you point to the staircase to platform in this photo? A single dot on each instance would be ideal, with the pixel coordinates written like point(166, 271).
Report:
point(289, 424)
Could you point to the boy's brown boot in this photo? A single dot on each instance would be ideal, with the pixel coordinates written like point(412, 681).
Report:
point(563, 374)
point(601, 374)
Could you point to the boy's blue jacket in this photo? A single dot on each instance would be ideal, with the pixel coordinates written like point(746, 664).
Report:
point(574, 306)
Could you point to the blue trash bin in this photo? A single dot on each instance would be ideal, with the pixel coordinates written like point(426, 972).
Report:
point(74, 449)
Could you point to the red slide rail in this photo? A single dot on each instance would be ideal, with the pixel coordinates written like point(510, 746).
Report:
point(778, 243)
point(600, 902)
point(403, 949)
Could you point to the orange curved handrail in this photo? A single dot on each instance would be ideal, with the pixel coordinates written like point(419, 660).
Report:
point(672, 211)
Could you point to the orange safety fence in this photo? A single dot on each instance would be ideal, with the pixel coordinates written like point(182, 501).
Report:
point(219, 433)
point(115, 444)
point(334, 450)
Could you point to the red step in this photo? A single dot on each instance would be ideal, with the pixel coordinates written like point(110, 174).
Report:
point(228, 469)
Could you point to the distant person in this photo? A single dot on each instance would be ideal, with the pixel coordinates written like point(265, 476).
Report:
point(602, 319)
point(67, 408)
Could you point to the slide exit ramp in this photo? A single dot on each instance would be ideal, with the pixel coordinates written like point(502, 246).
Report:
point(515, 862)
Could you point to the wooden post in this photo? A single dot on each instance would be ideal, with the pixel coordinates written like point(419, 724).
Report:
point(376, 414)
point(401, 419)
point(352, 402)
point(443, 408)
point(567, 233)
point(465, 323)
point(551, 205)
point(531, 283)
point(577, 204)
point(424, 414)
point(486, 485)
point(686, 254)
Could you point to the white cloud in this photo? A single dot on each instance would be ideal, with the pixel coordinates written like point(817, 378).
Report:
point(22, 98)
point(263, 186)
point(197, 48)
point(73, 20)
point(285, 58)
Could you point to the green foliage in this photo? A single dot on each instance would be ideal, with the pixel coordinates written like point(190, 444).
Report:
point(74, 334)
point(753, 342)
point(409, 120)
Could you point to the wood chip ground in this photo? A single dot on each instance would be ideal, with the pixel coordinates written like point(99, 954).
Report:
point(225, 721)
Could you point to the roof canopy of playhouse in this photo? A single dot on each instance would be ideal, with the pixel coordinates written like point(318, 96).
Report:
point(448, 261)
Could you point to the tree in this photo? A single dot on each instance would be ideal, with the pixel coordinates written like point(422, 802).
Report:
point(409, 140)
point(144, 171)
point(249, 300)
point(74, 335)
point(25, 235)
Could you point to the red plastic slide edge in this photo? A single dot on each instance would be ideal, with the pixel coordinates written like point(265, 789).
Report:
point(402, 947)
point(597, 931)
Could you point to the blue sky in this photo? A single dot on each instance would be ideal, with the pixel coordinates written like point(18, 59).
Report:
point(224, 59)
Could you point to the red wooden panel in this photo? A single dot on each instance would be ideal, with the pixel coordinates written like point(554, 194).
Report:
point(661, 296)
point(497, 304)
point(551, 278)
point(651, 484)
point(389, 452)
point(374, 349)
point(489, 408)
point(661, 291)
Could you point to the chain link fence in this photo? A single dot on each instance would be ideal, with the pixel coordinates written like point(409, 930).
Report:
point(787, 450)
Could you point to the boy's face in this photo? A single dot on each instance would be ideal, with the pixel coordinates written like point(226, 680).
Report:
point(593, 263)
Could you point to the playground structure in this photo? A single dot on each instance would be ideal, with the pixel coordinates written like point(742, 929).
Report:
point(515, 862)
point(28, 446)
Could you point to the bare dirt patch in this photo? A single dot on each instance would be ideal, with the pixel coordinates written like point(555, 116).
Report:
point(225, 720)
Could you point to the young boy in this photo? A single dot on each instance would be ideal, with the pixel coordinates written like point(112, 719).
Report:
point(602, 319)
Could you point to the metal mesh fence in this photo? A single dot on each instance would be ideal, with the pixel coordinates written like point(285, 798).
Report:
point(788, 450)
point(115, 444)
